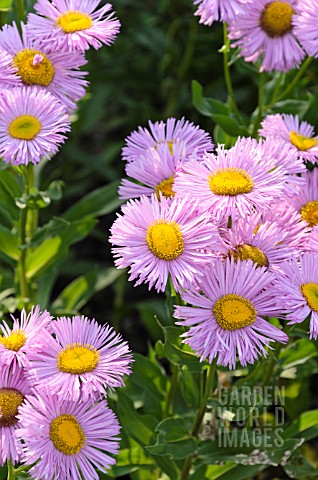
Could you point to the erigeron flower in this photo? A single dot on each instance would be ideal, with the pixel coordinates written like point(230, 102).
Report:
point(265, 31)
point(161, 238)
point(211, 11)
point(235, 182)
point(33, 124)
point(306, 202)
point(72, 25)
point(305, 26)
point(195, 140)
point(298, 290)
point(288, 129)
point(67, 440)
point(225, 313)
point(24, 338)
point(81, 360)
point(13, 389)
point(155, 172)
point(35, 63)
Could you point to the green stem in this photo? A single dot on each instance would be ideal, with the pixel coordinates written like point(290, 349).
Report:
point(20, 10)
point(274, 358)
point(11, 471)
point(200, 415)
point(227, 74)
point(292, 85)
point(24, 288)
point(249, 376)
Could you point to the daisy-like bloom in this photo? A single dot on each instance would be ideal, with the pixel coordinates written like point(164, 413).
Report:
point(298, 290)
point(73, 24)
point(155, 170)
point(312, 241)
point(67, 440)
point(291, 222)
point(226, 318)
point(306, 202)
point(35, 63)
point(265, 31)
point(161, 238)
point(82, 360)
point(7, 80)
point(171, 132)
point(13, 388)
point(211, 11)
point(305, 27)
point(32, 124)
point(299, 135)
point(233, 182)
point(263, 243)
point(24, 338)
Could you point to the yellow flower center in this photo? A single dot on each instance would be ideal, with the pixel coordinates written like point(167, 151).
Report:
point(165, 240)
point(25, 127)
point(34, 67)
point(309, 213)
point(233, 312)
point(14, 341)
point(77, 358)
point(276, 19)
point(74, 21)
point(249, 252)
point(165, 188)
point(67, 434)
point(231, 181)
point(310, 292)
point(301, 142)
point(10, 400)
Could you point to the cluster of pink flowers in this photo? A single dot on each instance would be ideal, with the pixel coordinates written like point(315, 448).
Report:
point(40, 74)
point(280, 33)
point(235, 230)
point(54, 378)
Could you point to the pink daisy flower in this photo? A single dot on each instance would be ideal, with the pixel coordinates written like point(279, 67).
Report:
point(82, 360)
point(7, 77)
point(211, 11)
point(306, 202)
point(299, 135)
point(263, 243)
point(32, 124)
point(73, 24)
point(161, 238)
point(226, 318)
point(265, 30)
point(291, 222)
point(36, 64)
point(23, 339)
point(298, 291)
point(67, 440)
point(13, 388)
point(312, 241)
point(233, 182)
point(305, 26)
point(195, 140)
point(155, 170)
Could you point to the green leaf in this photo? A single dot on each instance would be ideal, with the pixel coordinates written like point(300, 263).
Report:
point(99, 202)
point(229, 124)
point(5, 5)
point(177, 352)
point(173, 439)
point(9, 243)
point(306, 426)
point(78, 292)
point(130, 460)
point(39, 259)
point(207, 106)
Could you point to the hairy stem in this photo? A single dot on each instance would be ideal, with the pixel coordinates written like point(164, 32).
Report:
point(210, 375)
point(227, 74)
